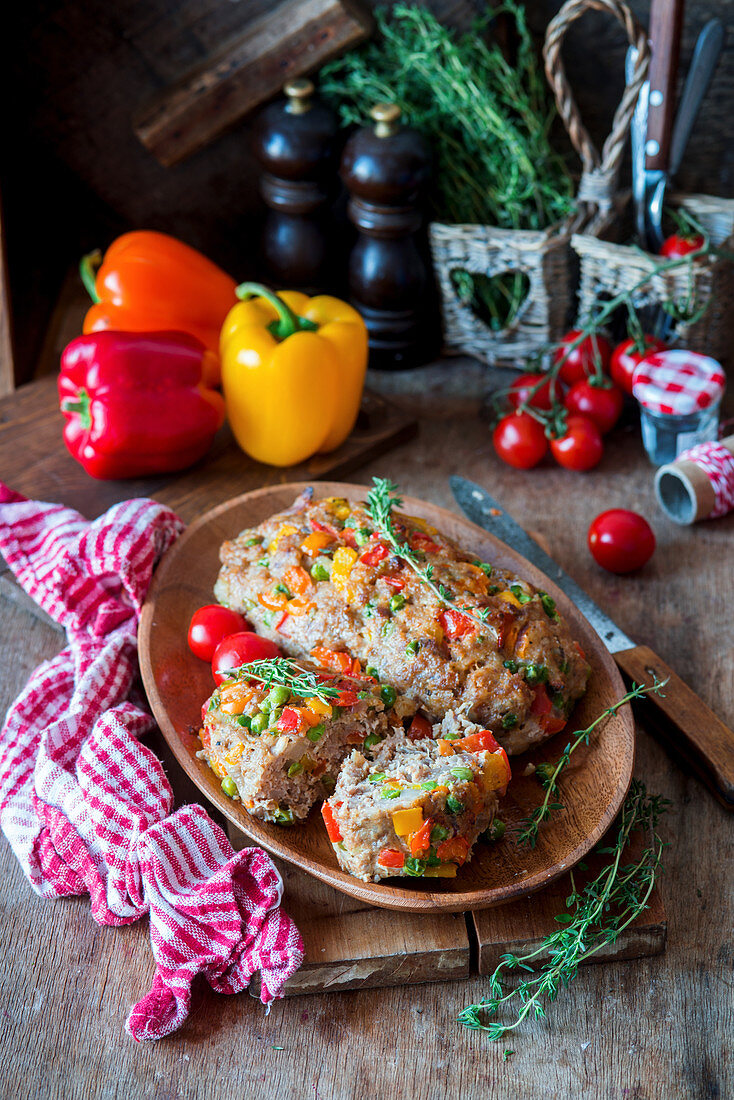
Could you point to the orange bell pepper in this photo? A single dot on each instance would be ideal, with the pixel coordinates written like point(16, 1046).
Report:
point(150, 282)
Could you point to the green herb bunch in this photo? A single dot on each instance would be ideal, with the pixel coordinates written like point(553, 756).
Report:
point(596, 915)
point(486, 119)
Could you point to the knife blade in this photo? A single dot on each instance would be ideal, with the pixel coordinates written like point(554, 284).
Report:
point(683, 721)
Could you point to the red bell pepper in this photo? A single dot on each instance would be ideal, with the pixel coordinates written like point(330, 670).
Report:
point(333, 830)
point(135, 403)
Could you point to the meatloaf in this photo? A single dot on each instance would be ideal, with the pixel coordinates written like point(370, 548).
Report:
point(416, 809)
point(323, 578)
point(278, 750)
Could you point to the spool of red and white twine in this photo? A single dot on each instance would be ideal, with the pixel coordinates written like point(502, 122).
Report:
point(699, 484)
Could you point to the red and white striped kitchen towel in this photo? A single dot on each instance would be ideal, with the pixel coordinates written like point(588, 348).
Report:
point(87, 807)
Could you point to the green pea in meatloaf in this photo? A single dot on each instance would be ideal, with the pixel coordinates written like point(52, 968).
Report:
point(322, 581)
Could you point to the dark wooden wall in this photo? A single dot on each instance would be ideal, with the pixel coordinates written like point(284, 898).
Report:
point(73, 173)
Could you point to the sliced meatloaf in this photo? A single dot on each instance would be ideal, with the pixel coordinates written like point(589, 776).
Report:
point(416, 809)
point(324, 579)
point(277, 750)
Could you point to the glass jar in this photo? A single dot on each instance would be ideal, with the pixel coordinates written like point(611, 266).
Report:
point(665, 436)
point(679, 392)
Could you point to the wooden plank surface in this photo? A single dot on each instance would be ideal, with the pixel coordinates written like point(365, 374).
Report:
point(645, 1029)
point(30, 422)
point(293, 38)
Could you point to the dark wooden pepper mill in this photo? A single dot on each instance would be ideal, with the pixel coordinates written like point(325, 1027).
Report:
point(295, 140)
point(385, 169)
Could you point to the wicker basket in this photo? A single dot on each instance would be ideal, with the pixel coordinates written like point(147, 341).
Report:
point(544, 257)
point(608, 269)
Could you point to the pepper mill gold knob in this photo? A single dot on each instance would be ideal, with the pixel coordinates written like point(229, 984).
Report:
point(298, 93)
point(387, 119)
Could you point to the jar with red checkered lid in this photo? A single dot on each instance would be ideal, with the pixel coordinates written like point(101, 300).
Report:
point(679, 393)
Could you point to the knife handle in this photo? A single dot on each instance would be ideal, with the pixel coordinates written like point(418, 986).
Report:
point(666, 23)
point(684, 722)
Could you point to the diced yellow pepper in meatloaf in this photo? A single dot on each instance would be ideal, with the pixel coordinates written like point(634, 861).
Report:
point(509, 597)
point(283, 530)
point(407, 821)
point(446, 870)
point(344, 560)
point(315, 704)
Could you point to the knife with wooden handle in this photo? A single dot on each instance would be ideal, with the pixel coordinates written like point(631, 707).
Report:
point(666, 22)
point(682, 720)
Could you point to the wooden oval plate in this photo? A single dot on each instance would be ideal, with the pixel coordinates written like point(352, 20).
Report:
point(592, 789)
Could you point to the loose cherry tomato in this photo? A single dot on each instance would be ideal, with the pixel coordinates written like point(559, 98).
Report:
point(602, 404)
point(580, 447)
point(580, 362)
point(520, 391)
point(626, 356)
point(679, 245)
point(520, 441)
point(621, 541)
point(210, 625)
point(239, 649)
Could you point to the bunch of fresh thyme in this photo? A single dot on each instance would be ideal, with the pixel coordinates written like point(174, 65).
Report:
point(486, 118)
point(547, 774)
point(381, 500)
point(597, 914)
point(284, 671)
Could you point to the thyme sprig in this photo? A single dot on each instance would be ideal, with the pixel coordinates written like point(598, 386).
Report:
point(597, 914)
point(285, 672)
point(379, 505)
point(547, 774)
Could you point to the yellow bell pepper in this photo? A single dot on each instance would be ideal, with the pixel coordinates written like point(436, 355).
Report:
point(409, 821)
point(292, 372)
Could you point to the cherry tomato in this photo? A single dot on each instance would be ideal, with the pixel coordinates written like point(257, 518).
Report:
point(679, 245)
point(239, 649)
point(580, 447)
point(580, 362)
point(543, 396)
point(621, 541)
point(520, 441)
point(210, 625)
point(626, 356)
point(602, 404)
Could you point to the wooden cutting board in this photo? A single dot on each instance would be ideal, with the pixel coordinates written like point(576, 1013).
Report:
point(350, 945)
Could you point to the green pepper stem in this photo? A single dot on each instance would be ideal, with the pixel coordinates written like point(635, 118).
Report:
point(88, 267)
point(288, 322)
point(80, 406)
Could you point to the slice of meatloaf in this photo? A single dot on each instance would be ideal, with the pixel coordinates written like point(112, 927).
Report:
point(276, 750)
point(323, 579)
point(416, 809)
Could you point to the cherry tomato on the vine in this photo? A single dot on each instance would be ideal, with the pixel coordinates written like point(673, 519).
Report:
point(520, 441)
point(602, 404)
point(626, 356)
point(210, 625)
point(239, 649)
point(678, 245)
point(580, 362)
point(580, 447)
point(521, 388)
point(621, 541)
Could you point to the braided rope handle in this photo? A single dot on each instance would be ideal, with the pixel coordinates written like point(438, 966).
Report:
point(607, 165)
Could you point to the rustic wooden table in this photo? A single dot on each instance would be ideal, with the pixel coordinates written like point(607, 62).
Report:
point(659, 1027)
